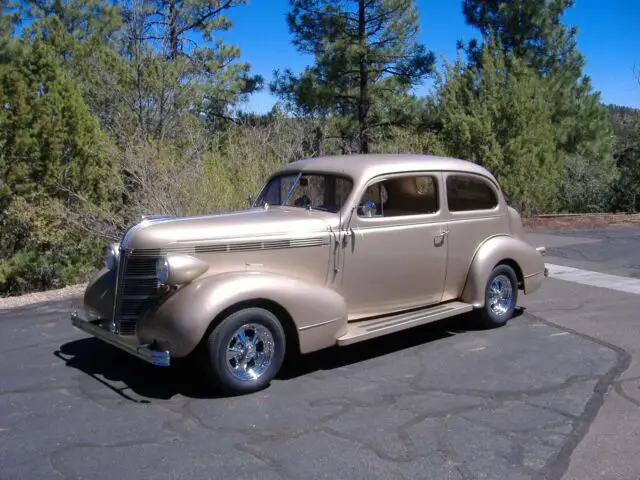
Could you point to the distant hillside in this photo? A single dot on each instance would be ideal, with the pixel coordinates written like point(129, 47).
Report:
point(626, 123)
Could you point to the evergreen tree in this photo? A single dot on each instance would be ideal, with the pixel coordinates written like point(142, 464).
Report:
point(626, 127)
point(9, 15)
point(148, 68)
point(495, 114)
point(171, 27)
point(366, 61)
point(52, 152)
point(532, 31)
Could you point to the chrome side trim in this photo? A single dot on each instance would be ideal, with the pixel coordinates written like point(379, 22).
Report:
point(315, 325)
point(533, 274)
point(228, 247)
point(144, 352)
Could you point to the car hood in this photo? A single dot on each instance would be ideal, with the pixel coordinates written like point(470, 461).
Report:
point(241, 226)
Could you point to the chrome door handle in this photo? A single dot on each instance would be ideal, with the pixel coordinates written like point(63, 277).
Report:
point(443, 233)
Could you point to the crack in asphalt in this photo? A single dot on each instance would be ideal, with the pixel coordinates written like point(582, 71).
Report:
point(619, 389)
point(256, 442)
point(69, 473)
point(556, 467)
point(446, 447)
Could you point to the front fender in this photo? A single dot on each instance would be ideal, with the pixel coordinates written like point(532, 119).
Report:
point(99, 293)
point(178, 322)
point(494, 251)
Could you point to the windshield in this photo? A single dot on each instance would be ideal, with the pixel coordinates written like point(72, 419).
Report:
point(306, 190)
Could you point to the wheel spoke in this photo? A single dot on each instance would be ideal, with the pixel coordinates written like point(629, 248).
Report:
point(244, 363)
point(500, 295)
point(234, 352)
point(250, 352)
point(242, 337)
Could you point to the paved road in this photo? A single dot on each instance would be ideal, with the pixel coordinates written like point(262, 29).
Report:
point(615, 251)
point(555, 394)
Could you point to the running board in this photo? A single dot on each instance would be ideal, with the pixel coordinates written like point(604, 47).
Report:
point(366, 329)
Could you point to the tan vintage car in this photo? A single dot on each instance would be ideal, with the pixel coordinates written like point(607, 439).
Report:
point(334, 251)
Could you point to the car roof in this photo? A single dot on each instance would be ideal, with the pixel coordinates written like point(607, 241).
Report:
point(365, 166)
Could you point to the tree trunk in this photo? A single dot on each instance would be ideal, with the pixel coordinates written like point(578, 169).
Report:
point(173, 29)
point(363, 104)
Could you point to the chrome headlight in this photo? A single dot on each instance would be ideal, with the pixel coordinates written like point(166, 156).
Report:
point(163, 270)
point(175, 269)
point(112, 256)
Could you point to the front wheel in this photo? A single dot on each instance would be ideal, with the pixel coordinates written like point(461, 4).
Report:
point(245, 351)
point(500, 297)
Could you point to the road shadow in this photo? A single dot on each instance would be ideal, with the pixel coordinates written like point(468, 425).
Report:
point(125, 374)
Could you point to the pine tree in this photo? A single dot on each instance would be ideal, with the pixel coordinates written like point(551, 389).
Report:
point(176, 23)
point(495, 114)
point(366, 61)
point(532, 31)
point(148, 68)
point(9, 15)
point(52, 152)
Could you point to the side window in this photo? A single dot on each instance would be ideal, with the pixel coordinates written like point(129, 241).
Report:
point(466, 193)
point(401, 196)
point(372, 202)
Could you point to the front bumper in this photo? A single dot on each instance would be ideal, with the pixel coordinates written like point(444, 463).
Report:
point(145, 352)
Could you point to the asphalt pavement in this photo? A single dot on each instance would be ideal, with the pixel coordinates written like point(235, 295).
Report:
point(554, 394)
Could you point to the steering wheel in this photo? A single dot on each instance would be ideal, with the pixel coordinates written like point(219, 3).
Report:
point(302, 201)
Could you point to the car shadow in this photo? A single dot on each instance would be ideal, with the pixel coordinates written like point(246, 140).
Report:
point(336, 357)
point(130, 377)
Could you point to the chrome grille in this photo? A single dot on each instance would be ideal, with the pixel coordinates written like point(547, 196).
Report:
point(137, 291)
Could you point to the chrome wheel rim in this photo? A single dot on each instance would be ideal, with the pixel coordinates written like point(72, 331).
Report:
point(500, 295)
point(250, 352)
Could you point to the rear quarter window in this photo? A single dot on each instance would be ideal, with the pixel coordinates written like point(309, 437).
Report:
point(467, 193)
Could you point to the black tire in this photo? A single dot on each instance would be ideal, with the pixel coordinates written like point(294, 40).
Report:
point(220, 370)
point(491, 317)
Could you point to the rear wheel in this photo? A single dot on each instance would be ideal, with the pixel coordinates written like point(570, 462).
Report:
point(500, 297)
point(244, 352)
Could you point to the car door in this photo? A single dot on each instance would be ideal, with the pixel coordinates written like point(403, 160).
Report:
point(395, 255)
point(475, 213)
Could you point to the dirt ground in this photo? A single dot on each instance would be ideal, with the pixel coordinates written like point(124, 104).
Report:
point(579, 221)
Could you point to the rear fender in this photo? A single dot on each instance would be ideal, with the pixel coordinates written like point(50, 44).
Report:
point(499, 249)
point(180, 321)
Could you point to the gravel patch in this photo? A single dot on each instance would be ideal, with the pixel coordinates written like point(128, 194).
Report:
point(37, 297)
point(582, 221)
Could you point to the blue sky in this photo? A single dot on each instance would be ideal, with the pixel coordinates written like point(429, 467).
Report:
point(608, 36)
